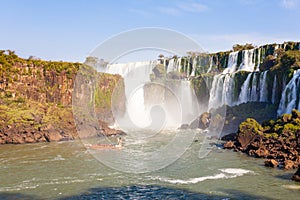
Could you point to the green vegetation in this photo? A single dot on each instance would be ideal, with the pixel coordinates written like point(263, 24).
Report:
point(239, 47)
point(287, 124)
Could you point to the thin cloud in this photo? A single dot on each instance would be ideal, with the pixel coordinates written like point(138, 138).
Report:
point(192, 7)
point(169, 11)
point(183, 7)
point(140, 12)
point(290, 4)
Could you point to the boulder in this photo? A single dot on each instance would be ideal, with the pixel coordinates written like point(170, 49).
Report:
point(106, 130)
point(288, 164)
point(271, 163)
point(229, 137)
point(249, 131)
point(229, 145)
point(184, 126)
point(202, 122)
point(296, 176)
point(261, 153)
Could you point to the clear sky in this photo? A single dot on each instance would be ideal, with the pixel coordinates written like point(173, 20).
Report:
point(70, 29)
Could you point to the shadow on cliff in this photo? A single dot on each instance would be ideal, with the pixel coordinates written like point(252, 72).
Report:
point(156, 192)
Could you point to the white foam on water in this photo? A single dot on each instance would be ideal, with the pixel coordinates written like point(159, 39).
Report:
point(226, 174)
point(293, 187)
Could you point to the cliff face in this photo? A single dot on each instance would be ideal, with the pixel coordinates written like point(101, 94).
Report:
point(36, 99)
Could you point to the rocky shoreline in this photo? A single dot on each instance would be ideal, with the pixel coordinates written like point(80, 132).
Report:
point(277, 141)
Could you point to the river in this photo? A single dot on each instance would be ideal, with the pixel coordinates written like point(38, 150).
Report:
point(67, 170)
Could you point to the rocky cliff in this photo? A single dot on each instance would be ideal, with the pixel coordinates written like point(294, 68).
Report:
point(36, 99)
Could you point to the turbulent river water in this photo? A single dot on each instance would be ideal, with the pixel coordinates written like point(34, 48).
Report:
point(67, 170)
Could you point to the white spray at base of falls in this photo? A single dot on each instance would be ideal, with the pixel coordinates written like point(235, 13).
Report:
point(176, 105)
point(291, 95)
point(135, 75)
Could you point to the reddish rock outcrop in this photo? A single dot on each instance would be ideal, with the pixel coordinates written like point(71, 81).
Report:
point(36, 99)
point(281, 148)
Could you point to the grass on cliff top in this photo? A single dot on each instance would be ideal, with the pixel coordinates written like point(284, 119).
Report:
point(8, 59)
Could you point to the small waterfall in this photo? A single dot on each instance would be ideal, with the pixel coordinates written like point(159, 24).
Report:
point(194, 65)
point(222, 91)
point(216, 91)
point(258, 59)
point(178, 64)
point(228, 89)
point(232, 63)
point(171, 66)
point(274, 90)
point(290, 95)
point(263, 97)
point(247, 61)
point(245, 90)
point(187, 102)
point(210, 64)
point(254, 89)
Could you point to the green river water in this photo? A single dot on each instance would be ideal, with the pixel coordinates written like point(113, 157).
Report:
point(67, 170)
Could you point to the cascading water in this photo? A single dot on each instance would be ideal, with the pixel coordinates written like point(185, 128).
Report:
point(232, 63)
point(210, 64)
point(274, 90)
point(263, 87)
point(135, 75)
point(245, 90)
point(254, 89)
point(291, 95)
point(247, 61)
point(222, 91)
point(174, 98)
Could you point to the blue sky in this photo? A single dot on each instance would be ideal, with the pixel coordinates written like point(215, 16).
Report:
point(70, 29)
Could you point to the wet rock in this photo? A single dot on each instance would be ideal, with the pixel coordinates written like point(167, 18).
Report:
point(229, 145)
point(288, 164)
point(271, 163)
point(296, 176)
point(202, 122)
point(229, 137)
point(184, 126)
point(107, 131)
point(261, 153)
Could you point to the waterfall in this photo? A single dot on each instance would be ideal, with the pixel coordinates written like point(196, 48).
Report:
point(274, 90)
point(187, 102)
point(247, 61)
point(216, 91)
point(245, 90)
point(210, 64)
point(171, 66)
point(135, 75)
point(254, 90)
point(194, 65)
point(154, 104)
point(232, 63)
point(178, 64)
point(222, 91)
point(290, 95)
point(263, 87)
